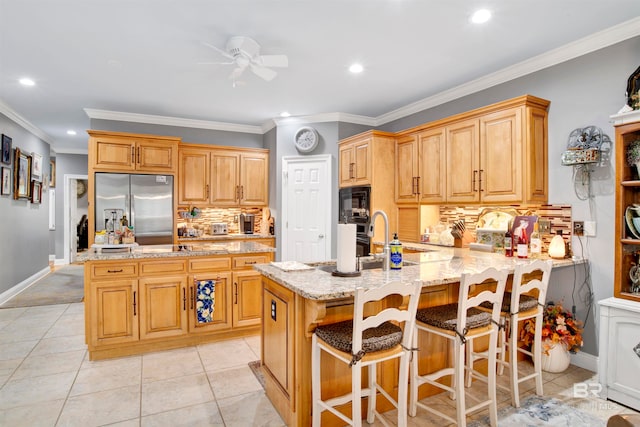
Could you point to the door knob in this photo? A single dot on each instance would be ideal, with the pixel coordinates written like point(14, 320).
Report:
point(320, 236)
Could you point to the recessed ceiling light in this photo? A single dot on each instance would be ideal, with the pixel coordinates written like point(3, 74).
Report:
point(481, 16)
point(285, 114)
point(356, 68)
point(71, 132)
point(27, 82)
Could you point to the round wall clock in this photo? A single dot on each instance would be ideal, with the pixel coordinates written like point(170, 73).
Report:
point(81, 187)
point(306, 139)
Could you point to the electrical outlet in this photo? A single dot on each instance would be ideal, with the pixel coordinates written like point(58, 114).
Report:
point(589, 228)
point(544, 226)
point(578, 228)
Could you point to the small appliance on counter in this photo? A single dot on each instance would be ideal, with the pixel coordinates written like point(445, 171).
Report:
point(247, 222)
point(219, 228)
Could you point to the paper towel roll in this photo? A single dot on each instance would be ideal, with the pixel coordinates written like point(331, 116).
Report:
point(346, 248)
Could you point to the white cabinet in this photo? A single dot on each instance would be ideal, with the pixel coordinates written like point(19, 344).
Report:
point(619, 360)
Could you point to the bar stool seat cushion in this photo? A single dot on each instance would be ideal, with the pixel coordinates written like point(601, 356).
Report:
point(446, 317)
point(526, 303)
point(340, 335)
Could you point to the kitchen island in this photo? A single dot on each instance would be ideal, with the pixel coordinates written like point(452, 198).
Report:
point(160, 297)
point(296, 300)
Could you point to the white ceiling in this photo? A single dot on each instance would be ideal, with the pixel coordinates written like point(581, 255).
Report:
point(144, 56)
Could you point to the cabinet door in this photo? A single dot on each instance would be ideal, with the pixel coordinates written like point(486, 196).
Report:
point(156, 156)
point(163, 306)
point(362, 168)
point(247, 295)
point(113, 309)
point(463, 162)
point(254, 179)
point(115, 154)
point(432, 166)
point(277, 334)
point(347, 164)
point(407, 169)
point(194, 174)
point(225, 172)
point(219, 315)
point(501, 168)
point(536, 156)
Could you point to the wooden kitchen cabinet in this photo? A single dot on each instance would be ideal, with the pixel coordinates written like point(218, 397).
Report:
point(125, 152)
point(193, 177)
point(420, 167)
point(463, 162)
point(113, 313)
point(221, 318)
point(239, 178)
point(247, 294)
point(355, 163)
point(163, 306)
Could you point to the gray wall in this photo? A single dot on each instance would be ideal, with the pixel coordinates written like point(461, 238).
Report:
point(584, 91)
point(192, 135)
point(24, 246)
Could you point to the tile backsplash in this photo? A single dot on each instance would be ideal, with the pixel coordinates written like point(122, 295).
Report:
point(228, 215)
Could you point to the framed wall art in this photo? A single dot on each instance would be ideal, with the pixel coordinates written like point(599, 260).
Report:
point(36, 192)
point(36, 167)
point(6, 150)
point(6, 181)
point(21, 175)
point(52, 173)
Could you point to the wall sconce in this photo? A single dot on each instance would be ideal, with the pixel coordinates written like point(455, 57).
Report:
point(557, 247)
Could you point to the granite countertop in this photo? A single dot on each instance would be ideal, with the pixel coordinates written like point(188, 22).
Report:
point(183, 250)
point(234, 236)
point(436, 267)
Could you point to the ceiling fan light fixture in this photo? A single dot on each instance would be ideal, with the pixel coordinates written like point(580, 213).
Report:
point(71, 132)
point(285, 114)
point(481, 16)
point(356, 68)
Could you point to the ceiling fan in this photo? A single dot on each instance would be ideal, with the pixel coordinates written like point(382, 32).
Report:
point(244, 52)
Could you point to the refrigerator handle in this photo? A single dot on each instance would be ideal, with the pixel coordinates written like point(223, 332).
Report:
point(132, 220)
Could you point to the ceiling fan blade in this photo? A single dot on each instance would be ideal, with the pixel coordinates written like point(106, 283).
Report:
point(263, 72)
point(273, 60)
point(220, 51)
point(237, 72)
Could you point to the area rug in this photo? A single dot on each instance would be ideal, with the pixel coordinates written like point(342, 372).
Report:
point(541, 411)
point(62, 286)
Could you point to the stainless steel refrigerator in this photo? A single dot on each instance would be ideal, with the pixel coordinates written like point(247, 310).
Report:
point(146, 200)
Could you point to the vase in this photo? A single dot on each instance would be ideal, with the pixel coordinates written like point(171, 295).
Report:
point(638, 167)
point(557, 359)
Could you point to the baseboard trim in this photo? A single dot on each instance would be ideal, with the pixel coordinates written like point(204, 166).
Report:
point(12, 292)
point(585, 360)
point(60, 261)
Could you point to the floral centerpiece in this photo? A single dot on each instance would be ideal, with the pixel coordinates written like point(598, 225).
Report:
point(559, 326)
point(633, 153)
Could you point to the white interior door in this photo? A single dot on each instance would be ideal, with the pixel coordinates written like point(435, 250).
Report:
point(306, 208)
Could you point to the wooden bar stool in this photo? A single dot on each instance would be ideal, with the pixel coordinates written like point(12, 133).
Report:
point(364, 342)
point(518, 306)
point(461, 322)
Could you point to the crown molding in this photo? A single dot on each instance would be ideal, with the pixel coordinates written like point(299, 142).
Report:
point(583, 46)
point(26, 124)
point(170, 121)
point(327, 117)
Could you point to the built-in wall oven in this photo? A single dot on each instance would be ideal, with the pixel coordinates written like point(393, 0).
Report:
point(354, 206)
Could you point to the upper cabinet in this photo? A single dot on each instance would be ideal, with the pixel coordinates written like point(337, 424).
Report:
point(420, 167)
point(125, 152)
point(355, 162)
point(493, 155)
point(223, 177)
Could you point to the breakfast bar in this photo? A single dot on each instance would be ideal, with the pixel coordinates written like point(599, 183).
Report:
point(298, 297)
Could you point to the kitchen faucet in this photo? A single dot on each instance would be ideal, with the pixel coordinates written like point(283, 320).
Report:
point(386, 250)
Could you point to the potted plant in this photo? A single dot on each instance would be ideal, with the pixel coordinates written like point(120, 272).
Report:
point(561, 334)
point(633, 154)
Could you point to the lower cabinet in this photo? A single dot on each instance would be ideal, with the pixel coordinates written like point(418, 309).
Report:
point(133, 307)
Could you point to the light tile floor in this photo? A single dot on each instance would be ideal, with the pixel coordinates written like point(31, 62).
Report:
point(46, 379)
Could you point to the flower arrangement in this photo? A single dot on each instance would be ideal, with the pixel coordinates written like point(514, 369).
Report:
point(633, 152)
point(559, 326)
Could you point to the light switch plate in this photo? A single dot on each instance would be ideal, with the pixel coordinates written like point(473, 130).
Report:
point(589, 228)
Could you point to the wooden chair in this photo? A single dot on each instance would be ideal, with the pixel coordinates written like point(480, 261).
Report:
point(364, 342)
point(461, 322)
point(516, 307)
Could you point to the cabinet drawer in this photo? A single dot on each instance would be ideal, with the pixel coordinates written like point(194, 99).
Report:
point(210, 264)
point(248, 261)
point(163, 267)
point(116, 269)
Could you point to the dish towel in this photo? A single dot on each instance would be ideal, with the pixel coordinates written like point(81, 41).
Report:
point(205, 300)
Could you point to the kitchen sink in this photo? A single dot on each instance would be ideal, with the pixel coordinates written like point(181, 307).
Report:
point(366, 265)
